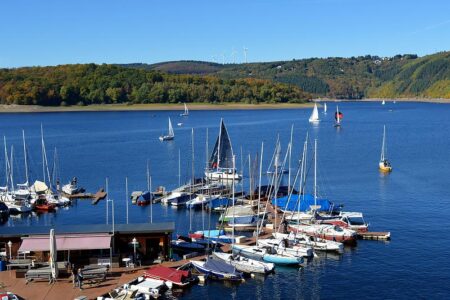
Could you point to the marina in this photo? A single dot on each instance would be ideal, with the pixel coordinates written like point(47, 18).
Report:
point(266, 216)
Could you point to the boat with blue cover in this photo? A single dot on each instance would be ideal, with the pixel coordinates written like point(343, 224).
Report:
point(217, 269)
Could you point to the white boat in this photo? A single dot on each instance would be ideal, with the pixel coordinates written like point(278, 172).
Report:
point(338, 117)
point(170, 135)
point(149, 287)
point(22, 191)
point(180, 124)
point(244, 264)
point(201, 199)
point(328, 232)
point(351, 220)
point(186, 111)
point(285, 246)
point(384, 165)
point(383, 102)
point(324, 108)
point(314, 115)
point(220, 164)
point(267, 254)
point(176, 198)
point(313, 242)
point(72, 187)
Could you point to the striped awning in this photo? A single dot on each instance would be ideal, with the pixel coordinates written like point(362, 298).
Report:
point(67, 242)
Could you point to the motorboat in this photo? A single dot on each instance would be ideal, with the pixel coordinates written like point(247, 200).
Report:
point(244, 264)
point(328, 232)
point(284, 246)
point(267, 254)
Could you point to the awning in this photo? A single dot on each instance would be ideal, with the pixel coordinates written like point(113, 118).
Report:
point(67, 242)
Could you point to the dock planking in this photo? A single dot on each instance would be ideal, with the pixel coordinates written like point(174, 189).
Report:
point(384, 236)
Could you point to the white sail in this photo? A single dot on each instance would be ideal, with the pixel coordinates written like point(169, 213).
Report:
point(383, 103)
point(338, 119)
point(325, 108)
point(382, 145)
point(171, 129)
point(186, 111)
point(315, 115)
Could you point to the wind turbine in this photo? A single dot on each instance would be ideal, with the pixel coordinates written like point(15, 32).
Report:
point(245, 54)
point(233, 55)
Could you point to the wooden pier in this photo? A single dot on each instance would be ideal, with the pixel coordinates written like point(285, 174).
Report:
point(382, 236)
point(99, 195)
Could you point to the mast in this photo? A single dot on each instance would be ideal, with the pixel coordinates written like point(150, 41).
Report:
point(179, 167)
point(315, 172)
point(43, 152)
point(250, 177)
point(382, 145)
point(6, 162)
point(259, 189)
point(218, 148)
point(302, 178)
point(290, 155)
point(193, 179)
point(11, 172)
point(232, 190)
point(25, 157)
point(171, 128)
point(126, 195)
point(149, 188)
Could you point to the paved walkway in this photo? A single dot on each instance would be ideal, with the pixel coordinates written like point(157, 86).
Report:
point(63, 288)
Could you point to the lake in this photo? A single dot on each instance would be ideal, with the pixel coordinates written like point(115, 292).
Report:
point(412, 202)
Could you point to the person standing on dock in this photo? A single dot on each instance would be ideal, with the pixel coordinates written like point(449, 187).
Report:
point(80, 279)
point(74, 276)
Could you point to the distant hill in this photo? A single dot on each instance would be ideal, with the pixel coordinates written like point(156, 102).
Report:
point(335, 77)
point(85, 84)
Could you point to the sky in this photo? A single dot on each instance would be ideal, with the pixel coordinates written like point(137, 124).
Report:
point(52, 32)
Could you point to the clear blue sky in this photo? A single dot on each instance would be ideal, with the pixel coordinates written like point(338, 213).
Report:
point(50, 32)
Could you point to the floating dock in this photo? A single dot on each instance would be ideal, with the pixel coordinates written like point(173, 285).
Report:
point(99, 195)
point(382, 236)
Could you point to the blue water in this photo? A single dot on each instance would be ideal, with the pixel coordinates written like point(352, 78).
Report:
point(412, 202)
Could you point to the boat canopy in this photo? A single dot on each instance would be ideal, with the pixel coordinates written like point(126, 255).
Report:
point(40, 187)
point(165, 273)
point(222, 154)
point(302, 203)
point(219, 266)
point(239, 210)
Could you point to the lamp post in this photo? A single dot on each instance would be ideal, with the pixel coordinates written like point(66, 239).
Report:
point(10, 245)
point(134, 242)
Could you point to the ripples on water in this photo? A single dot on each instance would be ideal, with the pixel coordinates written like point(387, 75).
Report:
point(412, 202)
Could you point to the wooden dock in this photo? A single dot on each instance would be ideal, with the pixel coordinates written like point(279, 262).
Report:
point(99, 195)
point(382, 236)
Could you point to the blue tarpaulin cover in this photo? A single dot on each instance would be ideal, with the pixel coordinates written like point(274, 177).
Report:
point(305, 202)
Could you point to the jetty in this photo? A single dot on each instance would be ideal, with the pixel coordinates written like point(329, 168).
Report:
point(384, 236)
point(96, 197)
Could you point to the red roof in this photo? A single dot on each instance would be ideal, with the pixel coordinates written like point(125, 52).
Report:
point(165, 273)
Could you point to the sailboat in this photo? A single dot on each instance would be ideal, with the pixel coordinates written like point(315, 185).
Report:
point(314, 115)
point(383, 103)
point(170, 136)
point(186, 111)
point(324, 108)
point(384, 164)
point(338, 117)
point(220, 164)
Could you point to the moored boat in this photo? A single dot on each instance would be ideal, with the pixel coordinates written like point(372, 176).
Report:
point(328, 232)
point(171, 277)
point(217, 269)
point(244, 264)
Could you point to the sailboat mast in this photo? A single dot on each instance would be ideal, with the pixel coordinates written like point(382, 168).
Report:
point(25, 157)
point(43, 151)
point(382, 145)
point(193, 179)
point(126, 195)
point(250, 176)
point(6, 162)
point(290, 155)
point(149, 188)
point(259, 189)
point(232, 197)
point(11, 173)
point(179, 167)
point(218, 144)
point(315, 172)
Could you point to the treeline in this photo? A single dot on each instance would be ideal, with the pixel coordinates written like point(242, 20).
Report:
point(86, 84)
point(338, 77)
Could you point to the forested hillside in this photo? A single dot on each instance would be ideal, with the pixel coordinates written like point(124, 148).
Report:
point(97, 84)
point(346, 78)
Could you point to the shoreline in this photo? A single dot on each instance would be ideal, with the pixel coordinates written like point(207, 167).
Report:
point(417, 100)
point(13, 108)
point(150, 107)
